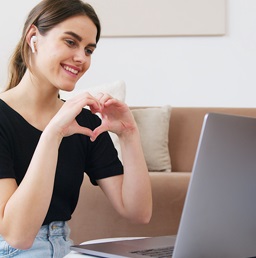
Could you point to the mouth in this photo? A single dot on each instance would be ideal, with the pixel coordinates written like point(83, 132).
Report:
point(70, 69)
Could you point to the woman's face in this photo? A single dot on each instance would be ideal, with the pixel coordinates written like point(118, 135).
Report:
point(63, 55)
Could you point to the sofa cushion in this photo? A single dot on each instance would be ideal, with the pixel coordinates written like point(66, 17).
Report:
point(153, 124)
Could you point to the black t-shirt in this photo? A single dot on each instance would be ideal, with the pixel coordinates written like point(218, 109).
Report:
point(77, 154)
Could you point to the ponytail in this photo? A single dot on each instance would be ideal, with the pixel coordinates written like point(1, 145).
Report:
point(17, 68)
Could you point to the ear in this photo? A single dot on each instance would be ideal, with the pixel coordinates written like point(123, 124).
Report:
point(32, 43)
point(31, 37)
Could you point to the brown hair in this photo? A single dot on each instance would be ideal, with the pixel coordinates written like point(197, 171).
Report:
point(46, 15)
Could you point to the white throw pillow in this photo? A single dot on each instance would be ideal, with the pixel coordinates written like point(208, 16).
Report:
point(116, 89)
point(153, 124)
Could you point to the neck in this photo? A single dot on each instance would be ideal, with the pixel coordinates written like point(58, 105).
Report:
point(37, 103)
point(36, 93)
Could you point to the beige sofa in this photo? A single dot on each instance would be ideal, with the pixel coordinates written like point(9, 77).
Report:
point(94, 217)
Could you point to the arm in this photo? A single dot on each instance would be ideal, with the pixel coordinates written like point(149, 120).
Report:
point(130, 193)
point(23, 208)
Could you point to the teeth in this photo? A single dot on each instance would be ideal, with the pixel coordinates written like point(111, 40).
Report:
point(71, 70)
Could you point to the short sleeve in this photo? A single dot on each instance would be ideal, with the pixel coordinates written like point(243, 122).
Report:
point(6, 160)
point(102, 159)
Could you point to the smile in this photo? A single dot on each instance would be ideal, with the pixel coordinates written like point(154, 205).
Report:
point(67, 68)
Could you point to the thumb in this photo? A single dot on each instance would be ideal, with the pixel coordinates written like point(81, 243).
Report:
point(84, 131)
point(97, 131)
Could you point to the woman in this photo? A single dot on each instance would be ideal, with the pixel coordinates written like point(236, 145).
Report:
point(47, 144)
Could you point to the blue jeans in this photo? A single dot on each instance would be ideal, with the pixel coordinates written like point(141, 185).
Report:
point(52, 241)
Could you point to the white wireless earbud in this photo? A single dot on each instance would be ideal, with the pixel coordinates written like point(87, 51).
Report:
point(32, 43)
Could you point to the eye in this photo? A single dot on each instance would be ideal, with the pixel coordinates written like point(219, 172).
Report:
point(70, 42)
point(88, 51)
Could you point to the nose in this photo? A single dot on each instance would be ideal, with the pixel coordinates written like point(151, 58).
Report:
point(80, 57)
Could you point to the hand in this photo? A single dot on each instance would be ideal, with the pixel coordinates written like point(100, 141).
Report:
point(64, 121)
point(116, 117)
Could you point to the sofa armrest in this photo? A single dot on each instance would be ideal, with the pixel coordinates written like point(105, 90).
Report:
point(95, 218)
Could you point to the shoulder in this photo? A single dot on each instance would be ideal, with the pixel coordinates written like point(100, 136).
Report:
point(7, 118)
point(7, 95)
point(4, 108)
point(8, 99)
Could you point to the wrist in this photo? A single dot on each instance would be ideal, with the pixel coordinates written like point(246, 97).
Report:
point(52, 135)
point(130, 135)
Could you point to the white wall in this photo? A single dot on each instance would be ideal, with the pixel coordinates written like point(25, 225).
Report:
point(180, 71)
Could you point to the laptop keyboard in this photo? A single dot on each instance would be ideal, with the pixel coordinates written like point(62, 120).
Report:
point(165, 252)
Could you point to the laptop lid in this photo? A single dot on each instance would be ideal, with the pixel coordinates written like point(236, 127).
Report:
point(219, 213)
point(218, 218)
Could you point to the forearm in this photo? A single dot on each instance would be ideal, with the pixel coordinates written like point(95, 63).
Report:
point(27, 207)
point(136, 187)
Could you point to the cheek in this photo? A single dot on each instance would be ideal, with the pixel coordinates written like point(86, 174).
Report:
point(88, 63)
point(86, 67)
point(48, 57)
point(53, 60)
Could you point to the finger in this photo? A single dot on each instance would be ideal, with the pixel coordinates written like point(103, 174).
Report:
point(112, 101)
point(95, 108)
point(97, 131)
point(103, 97)
point(84, 131)
point(85, 99)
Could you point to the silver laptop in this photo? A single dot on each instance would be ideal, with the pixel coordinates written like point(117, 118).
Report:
point(219, 214)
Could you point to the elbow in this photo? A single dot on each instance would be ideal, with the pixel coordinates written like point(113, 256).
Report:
point(142, 218)
point(145, 219)
point(147, 214)
point(20, 243)
point(17, 236)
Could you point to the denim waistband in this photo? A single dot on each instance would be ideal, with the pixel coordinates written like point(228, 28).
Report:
point(55, 228)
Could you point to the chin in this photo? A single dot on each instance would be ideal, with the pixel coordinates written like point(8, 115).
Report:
point(68, 88)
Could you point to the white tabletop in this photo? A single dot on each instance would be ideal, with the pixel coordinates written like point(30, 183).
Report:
point(74, 254)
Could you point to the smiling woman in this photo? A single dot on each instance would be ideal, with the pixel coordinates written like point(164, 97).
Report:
point(70, 44)
point(47, 144)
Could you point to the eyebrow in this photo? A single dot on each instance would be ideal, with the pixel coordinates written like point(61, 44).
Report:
point(77, 37)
